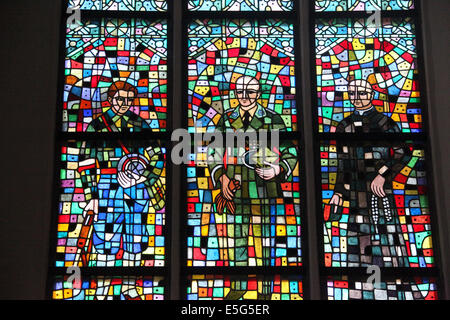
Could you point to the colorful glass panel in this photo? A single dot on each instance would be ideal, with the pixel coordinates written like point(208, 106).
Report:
point(354, 57)
point(363, 5)
point(241, 5)
point(119, 5)
point(109, 288)
point(110, 55)
point(112, 204)
point(222, 53)
point(371, 220)
point(277, 287)
point(340, 288)
point(260, 225)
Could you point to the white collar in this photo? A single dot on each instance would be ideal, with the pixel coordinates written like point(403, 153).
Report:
point(361, 113)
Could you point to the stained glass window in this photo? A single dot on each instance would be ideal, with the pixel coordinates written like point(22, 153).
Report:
point(242, 79)
point(263, 229)
point(243, 205)
point(240, 5)
point(221, 52)
point(111, 216)
point(341, 288)
point(383, 59)
point(102, 56)
point(250, 287)
point(391, 230)
point(363, 5)
point(125, 226)
point(119, 5)
point(373, 173)
point(109, 288)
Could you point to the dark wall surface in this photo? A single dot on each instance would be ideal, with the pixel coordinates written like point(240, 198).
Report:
point(29, 61)
point(436, 35)
point(29, 67)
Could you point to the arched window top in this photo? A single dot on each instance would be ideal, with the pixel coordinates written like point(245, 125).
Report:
point(363, 5)
point(119, 5)
point(240, 5)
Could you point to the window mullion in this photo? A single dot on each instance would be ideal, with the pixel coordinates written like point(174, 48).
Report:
point(176, 197)
point(312, 246)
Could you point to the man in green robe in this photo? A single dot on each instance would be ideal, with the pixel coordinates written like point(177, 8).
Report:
point(248, 234)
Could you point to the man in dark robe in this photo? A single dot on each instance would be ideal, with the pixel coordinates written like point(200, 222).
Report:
point(365, 175)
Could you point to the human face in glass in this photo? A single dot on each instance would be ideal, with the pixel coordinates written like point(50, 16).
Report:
point(247, 92)
point(122, 101)
point(360, 93)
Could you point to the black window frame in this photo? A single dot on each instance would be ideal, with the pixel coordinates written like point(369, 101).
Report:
point(61, 138)
point(312, 271)
point(297, 136)
point(387, 273)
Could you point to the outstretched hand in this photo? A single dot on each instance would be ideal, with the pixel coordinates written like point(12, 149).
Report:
point(225, 198)
point(226, 187)
point(268, 173)
point(129, 179)
point(336, 200)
